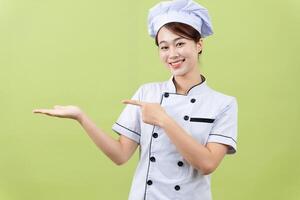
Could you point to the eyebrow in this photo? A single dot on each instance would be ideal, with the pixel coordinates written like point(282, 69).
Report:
point(173, 40)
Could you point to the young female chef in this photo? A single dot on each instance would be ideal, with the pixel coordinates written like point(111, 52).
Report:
point(183, 127)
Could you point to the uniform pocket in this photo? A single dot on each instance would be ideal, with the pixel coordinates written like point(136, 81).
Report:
point(199, 119)
point(200, 128)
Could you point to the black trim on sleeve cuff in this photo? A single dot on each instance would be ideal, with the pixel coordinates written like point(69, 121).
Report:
point(128, 129)
point(224, 136)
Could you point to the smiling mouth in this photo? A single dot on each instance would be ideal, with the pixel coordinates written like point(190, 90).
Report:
point(177, 64)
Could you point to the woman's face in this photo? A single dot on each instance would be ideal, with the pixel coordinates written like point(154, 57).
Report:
point(179, 54)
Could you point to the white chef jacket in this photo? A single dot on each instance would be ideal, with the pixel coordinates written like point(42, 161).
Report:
point(162, 173)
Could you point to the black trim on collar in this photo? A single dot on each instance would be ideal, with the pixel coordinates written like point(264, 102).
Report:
point(172, 82)
point(202, 80)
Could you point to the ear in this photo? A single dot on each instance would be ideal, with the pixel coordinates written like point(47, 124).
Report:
point(199, 45)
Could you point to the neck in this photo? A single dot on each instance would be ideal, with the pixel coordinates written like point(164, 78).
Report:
point(184, 83)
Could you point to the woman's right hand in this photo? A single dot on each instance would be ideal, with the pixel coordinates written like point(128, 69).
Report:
point(72, 112)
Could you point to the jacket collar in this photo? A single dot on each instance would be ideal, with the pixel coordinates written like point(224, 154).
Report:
point(194, 90)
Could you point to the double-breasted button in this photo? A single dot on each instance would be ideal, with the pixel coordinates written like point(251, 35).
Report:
point(149, 182)
point(166, 94)
point(180, 163)
point(152, 159)
point(177, 187)
point(155, 135)
point(193, 100)
point(186, 118)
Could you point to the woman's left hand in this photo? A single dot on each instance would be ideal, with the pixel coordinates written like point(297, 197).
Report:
point(152, 113)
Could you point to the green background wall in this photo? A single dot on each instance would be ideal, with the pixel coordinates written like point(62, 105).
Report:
point(95, 53)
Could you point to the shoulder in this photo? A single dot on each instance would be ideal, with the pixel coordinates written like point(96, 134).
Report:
point(153, 86)
point(223, 100)
point(151, 91)
point(222, 96)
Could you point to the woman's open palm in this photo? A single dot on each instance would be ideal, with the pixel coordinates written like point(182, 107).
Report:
point(72, 112)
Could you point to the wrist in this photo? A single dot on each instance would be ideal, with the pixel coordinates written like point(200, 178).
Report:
point(165, 120)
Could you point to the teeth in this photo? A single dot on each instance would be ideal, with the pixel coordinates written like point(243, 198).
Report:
point(177, 62)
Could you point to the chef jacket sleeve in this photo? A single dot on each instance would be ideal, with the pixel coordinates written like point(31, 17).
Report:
point(224, 129)
point(128, 123)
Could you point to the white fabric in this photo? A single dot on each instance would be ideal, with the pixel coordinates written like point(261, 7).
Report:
point(184, 11)
point(212, 118)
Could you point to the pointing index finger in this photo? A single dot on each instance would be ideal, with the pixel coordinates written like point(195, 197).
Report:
point(133, 102)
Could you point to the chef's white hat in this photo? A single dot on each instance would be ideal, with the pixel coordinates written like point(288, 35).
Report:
point(184, 11)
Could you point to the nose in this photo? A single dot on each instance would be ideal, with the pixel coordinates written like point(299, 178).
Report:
point(173, 53)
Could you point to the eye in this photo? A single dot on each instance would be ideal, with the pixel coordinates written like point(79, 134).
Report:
point(164, 48)
point(179, 44)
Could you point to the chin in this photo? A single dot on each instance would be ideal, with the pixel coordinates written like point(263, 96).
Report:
point(180, 72)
